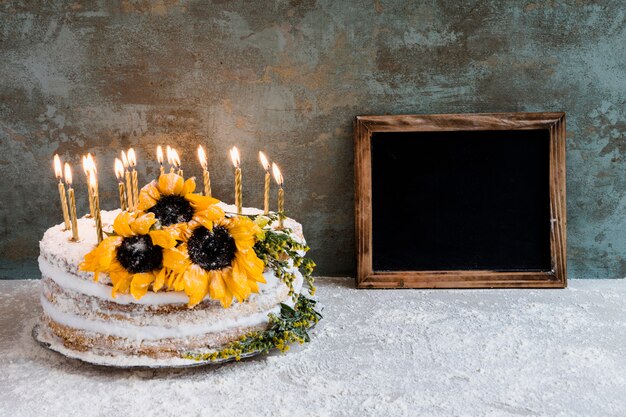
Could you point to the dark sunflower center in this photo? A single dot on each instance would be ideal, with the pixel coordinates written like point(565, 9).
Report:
point(138, 254)
point(211, 249)
point(172, 209)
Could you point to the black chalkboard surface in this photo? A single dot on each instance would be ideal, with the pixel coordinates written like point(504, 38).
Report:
point(460, 200)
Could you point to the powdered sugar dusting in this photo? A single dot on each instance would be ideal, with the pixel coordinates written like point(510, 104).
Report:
point(376, 353)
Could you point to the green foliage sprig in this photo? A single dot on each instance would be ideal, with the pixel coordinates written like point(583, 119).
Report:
point(277, 247)
point(290, 326)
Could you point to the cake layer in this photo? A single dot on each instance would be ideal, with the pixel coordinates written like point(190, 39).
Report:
point(92, 301)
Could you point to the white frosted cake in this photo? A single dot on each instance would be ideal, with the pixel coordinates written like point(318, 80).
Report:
point(157, 293)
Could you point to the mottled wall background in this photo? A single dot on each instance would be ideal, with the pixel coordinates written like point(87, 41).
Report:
point(289, 77)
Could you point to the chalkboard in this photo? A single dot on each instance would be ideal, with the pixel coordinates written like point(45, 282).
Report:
point(460, 200)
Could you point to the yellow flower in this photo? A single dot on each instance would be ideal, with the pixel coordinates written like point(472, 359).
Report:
point(219, 261)
point(134, 258)
point(174, 204)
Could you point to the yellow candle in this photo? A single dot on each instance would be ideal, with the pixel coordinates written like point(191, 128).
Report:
point(58, 172)
point(129, 185)
point(278, 177)
point(70, 191)
point(234, 156)
point(132, 161)
point(135, 189)
point(93, 184)
point(87, 169)
point(93, 172)
point(66, 215)
point(238, 190)
point(266, 195)
point(281, 206)
point(205, 171)
point(119, 174)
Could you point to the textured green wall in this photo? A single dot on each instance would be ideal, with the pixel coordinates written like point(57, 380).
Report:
point(289, 77)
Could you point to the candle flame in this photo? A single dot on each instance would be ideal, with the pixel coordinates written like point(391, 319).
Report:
point(264, 161)
point(58, 171)
point(92, 182)
point(160, 154)
point(124, 159)
point(278, 177)
point(175, 158)
point(119, 169)
point(68, 174)
point(168, 151)
point(85, 165)
point(92, 163)
point(234, 156)
point(132, 158)
point(202, 157)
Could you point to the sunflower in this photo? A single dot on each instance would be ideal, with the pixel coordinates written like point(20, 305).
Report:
point(218, 260)
point(174, 204)
point(133, 257)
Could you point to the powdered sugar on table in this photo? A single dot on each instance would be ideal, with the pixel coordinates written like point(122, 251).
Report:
point(377, 352)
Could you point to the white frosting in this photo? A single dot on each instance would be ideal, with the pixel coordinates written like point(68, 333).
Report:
point(96, 289)
point(130, 331)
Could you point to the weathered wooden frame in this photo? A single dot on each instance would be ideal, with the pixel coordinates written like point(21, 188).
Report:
point(365, 126)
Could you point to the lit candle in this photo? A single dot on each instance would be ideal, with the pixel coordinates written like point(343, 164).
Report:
point(168, 152)
point(119, 174)
point(93, 172)
point(205, 171)
point(176, 162)
point(266, 195)
point(234, 156)
point(278, 177)
point(129, 185)
point(70, 192)
point(58, 172)
point(93, 184)
point(160, 159)
point(132, 161)
point(86, 169)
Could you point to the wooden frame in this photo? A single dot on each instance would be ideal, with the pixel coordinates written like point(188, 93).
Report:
point(365, 126)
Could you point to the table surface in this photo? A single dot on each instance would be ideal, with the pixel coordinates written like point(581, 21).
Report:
point(511, 352)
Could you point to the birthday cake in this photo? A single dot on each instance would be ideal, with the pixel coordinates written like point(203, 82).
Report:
point(182, 279)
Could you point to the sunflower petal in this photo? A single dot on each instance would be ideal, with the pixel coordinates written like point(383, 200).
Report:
point(140, 283)
point(179, 283)
point(141, 224)
point(163, 238)
point(121, 224)
point(189, 186)
point(253, 266)
point(203, 221)
point(159, 280)
point(237, 283)
point(243, 230)
point(202, 202)
point(176, 259)
point(171, 184)
point(217, 288)
point(254, 287)
point(148, 196)
point(196, 284)
point(121, 281)
point(100, 258)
